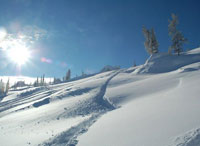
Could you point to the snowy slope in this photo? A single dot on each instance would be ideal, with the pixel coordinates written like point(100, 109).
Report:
point(47, 114)
point(155, 104)
point(162, 62)
point(164, 107)
point(156, 109)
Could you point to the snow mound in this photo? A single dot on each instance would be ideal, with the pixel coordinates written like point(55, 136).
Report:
point(194, 51)
point(191, 67)
point(191, 138)
point(163, 62)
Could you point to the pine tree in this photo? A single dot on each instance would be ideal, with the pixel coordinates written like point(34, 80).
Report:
point(7, 86)
point(83, 74)
point(147, 43)
point(56, 80)
point(1, 88)
point(68, 75)
point(36, 83)
point(154, 42)
point(176, 36)
point(43, 82)
point(151, 43)
point(134, 64)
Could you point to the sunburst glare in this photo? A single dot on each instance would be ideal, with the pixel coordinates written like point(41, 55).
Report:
point(19, 54)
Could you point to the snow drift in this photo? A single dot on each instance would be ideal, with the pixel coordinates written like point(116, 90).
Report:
point(163, 62)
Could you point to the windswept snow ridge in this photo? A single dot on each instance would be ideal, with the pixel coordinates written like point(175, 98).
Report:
point(163, 62)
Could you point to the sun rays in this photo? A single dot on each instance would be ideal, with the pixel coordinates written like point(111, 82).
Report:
point(19, 54)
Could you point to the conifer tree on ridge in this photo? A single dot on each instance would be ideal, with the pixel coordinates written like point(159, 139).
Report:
point(151, 43)
point(177, 37)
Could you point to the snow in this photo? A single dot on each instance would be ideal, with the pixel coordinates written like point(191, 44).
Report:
point(163, 62)
point(191, 138)
point(155, 104)
point(45, 115)
point(154, 119)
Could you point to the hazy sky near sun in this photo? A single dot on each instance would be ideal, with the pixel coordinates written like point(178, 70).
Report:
point(85, 35)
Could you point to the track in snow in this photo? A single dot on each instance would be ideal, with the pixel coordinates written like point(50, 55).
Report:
point(102, 105)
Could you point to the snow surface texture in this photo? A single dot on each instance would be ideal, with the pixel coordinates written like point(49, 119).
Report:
point(155, 104)
point(162, 62)
point(191, 138)
point(53, 115)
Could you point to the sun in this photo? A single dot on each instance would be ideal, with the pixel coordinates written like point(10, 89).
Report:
point(19, 54)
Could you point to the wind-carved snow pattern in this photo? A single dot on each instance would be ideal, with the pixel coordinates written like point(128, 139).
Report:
point(191, 138)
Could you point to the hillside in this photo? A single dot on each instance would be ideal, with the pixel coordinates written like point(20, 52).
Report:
point(155, 104)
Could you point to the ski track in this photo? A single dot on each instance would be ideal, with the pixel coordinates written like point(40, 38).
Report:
point(24, 100)
point(96, 107)
point(93, 107)
point(68, 138)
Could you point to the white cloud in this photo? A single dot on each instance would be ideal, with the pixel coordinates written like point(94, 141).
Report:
point(34, 32)
point(24, 36)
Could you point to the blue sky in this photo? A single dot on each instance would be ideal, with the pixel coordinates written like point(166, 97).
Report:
point(85, 35)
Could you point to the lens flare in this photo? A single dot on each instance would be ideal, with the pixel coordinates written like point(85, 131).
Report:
point(19, 54)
